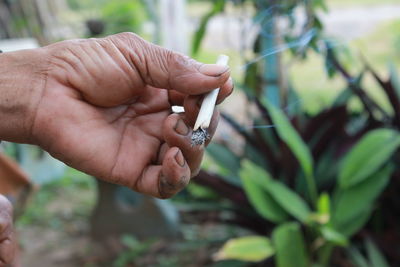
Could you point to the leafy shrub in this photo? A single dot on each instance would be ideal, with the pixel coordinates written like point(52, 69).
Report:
point(307, 184)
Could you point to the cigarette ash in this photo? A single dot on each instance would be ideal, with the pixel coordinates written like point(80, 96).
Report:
point(199, 137)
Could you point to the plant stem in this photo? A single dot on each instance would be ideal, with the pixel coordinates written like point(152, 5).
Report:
point(312, 189)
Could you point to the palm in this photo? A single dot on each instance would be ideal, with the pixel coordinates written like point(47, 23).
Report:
point(110, 143)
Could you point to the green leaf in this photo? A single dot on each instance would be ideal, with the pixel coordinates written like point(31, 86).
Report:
point(227, 160)
point(222, 155)
point(333, 236)
point(353, 226)
point(290, 136)
point(354, 204)
point(218, 7)
point(264, 204)
point(289, 246)
point(367, 156)
point(357, 258)
point(280, 193)
point(374, 255)
point(330, 68)
point(249, 248)
point(288, 200)
point(324, 204)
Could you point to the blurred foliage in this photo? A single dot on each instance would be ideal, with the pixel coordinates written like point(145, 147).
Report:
point(116, 16)
point(134, 249)
point(123, 16)
point(309, 183)
point(249, 248)
point(47, 207)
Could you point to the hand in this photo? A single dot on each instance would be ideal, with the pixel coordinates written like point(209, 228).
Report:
point(7, 240)
point(99, 108)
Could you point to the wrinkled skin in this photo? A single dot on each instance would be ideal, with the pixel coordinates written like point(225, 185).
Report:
point(7, 240)
point(103, 106)
point(102, 112)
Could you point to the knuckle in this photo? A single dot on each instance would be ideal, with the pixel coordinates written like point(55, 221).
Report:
point(178, 60)
point(126, 36)
point(126, 40)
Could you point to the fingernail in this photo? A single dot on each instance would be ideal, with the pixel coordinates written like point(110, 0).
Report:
point(213, 69)
point(180, 159)
point(181, 127)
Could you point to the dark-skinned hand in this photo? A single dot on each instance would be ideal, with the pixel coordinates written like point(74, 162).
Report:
point(103, 106)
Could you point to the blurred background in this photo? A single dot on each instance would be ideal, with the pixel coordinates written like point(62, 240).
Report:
point(304, 168)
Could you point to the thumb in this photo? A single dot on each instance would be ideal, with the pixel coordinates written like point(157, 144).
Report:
point(163, 68)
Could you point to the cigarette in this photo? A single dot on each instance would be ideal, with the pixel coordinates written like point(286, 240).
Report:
point(200, 134)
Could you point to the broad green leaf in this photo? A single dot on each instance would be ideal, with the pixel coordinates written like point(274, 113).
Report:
point(284, 197)
point(357, 258)
point(374, 255)
point(227, 160)
point(249, 248)
point(354, 204)
point(289, 246)
point(288, 200)
point(367, 156)
point(353, 226)
point(290, 136)
point(222, 155)
point(333, 236)
point(264, 204)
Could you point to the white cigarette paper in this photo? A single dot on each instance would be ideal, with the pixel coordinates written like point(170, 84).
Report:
point(208, 105)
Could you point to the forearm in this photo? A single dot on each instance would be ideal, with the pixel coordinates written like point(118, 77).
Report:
point(22, 78)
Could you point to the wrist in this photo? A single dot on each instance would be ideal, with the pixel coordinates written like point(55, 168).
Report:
point(22, 79)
